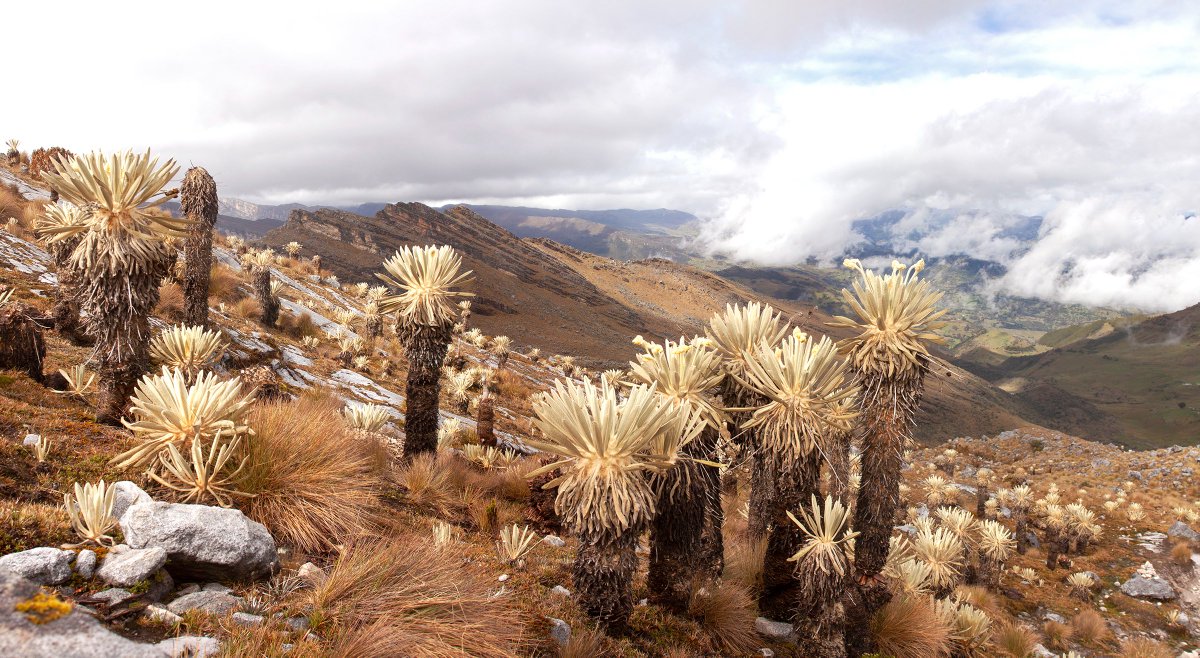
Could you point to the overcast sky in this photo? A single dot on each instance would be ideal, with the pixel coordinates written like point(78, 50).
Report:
point(778, 122)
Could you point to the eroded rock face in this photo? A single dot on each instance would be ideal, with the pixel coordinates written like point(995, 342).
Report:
point(44, 566)
point(75, 635)
point(202, 542)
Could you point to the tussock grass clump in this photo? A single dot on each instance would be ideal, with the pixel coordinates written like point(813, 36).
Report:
point(727, 614)
point(1090, 628)
point(1181, 554)
point(314, 483)
point(248, 309)
point(403, 596)
point(223, 284)
point(587, 643)
point(910, 627)
point(1057, 635)
point(429, 482)
point(1015, 640)
point(1144, 647)
point(170, 302)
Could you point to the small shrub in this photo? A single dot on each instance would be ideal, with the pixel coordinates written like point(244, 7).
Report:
point(587, 642)
point(910, 627)
point(1037, 445)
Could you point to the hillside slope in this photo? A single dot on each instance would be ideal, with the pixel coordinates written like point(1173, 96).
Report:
point(1137, 384)
point(564, 300)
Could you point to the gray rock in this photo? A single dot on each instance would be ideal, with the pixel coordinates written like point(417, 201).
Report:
point(297, 623)
point(44, 566)
point(215, 603)
point(114, 596)
point(1183, 531)
point(776, 630)
point(202, 541)
point(187, 588)
point(31, 440)
point(560, 590)
point(217, 587)
point(76, 635)
point(1050, 616)
point(161, 585)
point(126, 567)
point(967, 472)
point(766, 653)
point(967, 489)
point(1042, 652)
point(247, 619)
point(128, 494)
point(908, 529)
point(560, 631)
point(159, 614)
point(190, 646)
point(554, 540)
point(1148, 588)
point(85, 563)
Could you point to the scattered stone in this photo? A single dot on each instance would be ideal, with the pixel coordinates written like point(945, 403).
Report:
point(1054, 617)
point(297, 623)
point(157, 613)
point(908, 529)
point(216, 603)
point(560, 631)
point(203, 541)
point(503, 577)
point(554, 540)
point(766, 653)
point(161, 585)
point(1042, 652)
point(643, 603)
point(776, 630)
point(31, 440)
point(187, 588)
point(127, 495)
point(312, 573)
point(85, 563)
point(74, 635)
point(560, 590)
point(247, 619)
point(126, 567)
point(1183, 531)
point(191, 646)
point(44, 566)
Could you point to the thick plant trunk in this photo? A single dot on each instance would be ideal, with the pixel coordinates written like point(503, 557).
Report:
point(711, 560)
point(820, 615)
point(22, 346)
point(262, 291)
point(981, 498)
point(603, 575)
point(425, 349)
point(1022, 529)
point(888, 409)
point(762, 495)
point(676, 537)
point(118, 306)
point(66, 296)
point(838, 463)
point(198, 201)
point(795, 486)
point(485, 421)
point(374, 325)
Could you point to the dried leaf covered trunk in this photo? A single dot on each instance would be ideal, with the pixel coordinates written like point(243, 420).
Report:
point(888, 413)
point(118, 305)
point(797, 482)
point(603, 578)
point(262, 292)
point(22, 346)
point(198, 201)
point(485, 421)
point(66, 296)
point(425, 348)
point(762, 484)
point(676, 537)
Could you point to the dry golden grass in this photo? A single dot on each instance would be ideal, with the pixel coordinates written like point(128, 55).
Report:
point(744, 561)
point(982, 598)
point(298, 326)
point(223, 284)
point(1181, 554)
point(407, 597)
point(1144, 647)
point(248, 309)
point(1057, 635)
point(1014, 640)
point(428, 482)
point(727, 614)
point(170, 302)
point(1090, 628)
point(587, 642)
point(264, 641)
point(29, 525)
point(12, 204)
point(909, 627)
point(316, 484)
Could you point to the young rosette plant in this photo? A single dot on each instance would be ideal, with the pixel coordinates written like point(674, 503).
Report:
point(823, 566)
point(120, 254)
point(426, 278)
point(685, 538)
point(610, 448)
point(169, 411)
point(90, 511)
point(896, 317)
point(189, 349)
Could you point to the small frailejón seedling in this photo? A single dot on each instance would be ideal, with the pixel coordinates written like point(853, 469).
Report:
point(90, 510)
point(79, 380)
point(366, 418)
point(426, 278)
point(609, 449)
point(889, 358)
point(685, 535)
point(188, 349)
point(203, 475)
point(119, 257)
point(823, 566)
point(167, 411)
point(293, 249)
point(515, 543)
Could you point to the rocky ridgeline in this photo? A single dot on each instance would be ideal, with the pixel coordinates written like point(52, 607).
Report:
point(174, 560)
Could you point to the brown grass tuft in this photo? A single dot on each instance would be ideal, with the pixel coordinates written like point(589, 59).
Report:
point(1090, 627)
point(744, 561)
point(247, 309)
point(1057, 635)
point(981, 598)
point(909, 627)
point(317, 485)
point(170, 302)
point(587, 642)
point(223, 284)
point(727, 614)
point(1014, 640)
point(1181, 554)
point(265, 641)
point(1144, 647)
point(428, 482)
point(403, 596)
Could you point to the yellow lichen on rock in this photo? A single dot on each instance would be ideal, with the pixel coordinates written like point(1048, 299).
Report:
point(43, 608)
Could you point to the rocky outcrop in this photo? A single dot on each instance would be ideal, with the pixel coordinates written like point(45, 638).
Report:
point(44, 566)
point(125, 566)
point(201, 542)
point(1147, 584)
